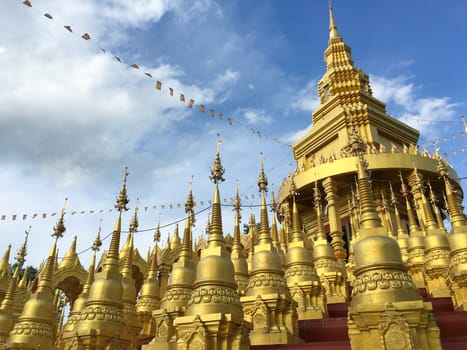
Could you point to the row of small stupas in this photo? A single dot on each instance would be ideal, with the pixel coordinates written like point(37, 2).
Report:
point(233, 292)
point(227, 297)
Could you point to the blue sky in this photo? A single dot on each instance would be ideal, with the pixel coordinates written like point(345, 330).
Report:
point(71, 117)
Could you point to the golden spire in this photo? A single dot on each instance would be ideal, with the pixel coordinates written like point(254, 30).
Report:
point(106, 291)
point(297, 233)
point(215, 228)
point(22, 252)
point(369, 218)
point(122, 198)
point(215, 269)
point(5, 262)
point(430, 223)
point(400, 230)
point(157, 232)
point(264, 233)
point(414, 229)
point(150, 288)
point(319, 220)
point(238, 254)
point(325, 261)
point(79, 303)
point(7, 304)
point(190, 203)
point(457, 218)
point(130, 316)
point(39, 312)
point(386, 217)
point(149, 299)
point(274, 231)
point(134, 220)
point(187, 242)
point(7, 318)
point(434, 204)
point(175, 240)
point(23, 283)
point(71, 258)
point(266, 265)
point(333, 33)
point(183, 274)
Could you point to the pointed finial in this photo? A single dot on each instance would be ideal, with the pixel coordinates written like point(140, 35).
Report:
point(157, 232)
point(393, 195)
point(59, 227)
point(404, 190)
point(273, 204)
point(293, 188)
point(190, 204)
point(262, 179)
point(97, 242)
point(442, 168)
point(333, 33)
point(22, 252)
point(317, 196)
point(237, 204)
point(122, 199)
point(433, 198)
point(217, 170)
point(134, 220)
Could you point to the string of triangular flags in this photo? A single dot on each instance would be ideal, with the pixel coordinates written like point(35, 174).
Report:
point(202, 108)
point(160, 86)
point(158, 207)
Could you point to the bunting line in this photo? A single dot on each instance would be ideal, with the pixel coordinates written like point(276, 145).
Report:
point(159, 86)
point(212, 113)
point(161, 207)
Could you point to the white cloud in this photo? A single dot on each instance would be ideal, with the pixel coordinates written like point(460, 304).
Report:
point(294, 136)
point(254, 116)
point(134, 12)
point(307, 98)
point(418, 111)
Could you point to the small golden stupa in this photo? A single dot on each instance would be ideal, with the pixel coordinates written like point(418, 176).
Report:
point(238, 253)
point(300, 273)
point(179, 289)
point(101, 325)
point(7, 305)
point(149, 297)
point(37, 326)
point(214, 317)
point(267, 304)
point(386, 308)
point(68, 332)
point(325, 261)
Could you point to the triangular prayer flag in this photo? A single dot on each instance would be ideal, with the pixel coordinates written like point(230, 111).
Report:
point(158, 85)
point(68, 28)
point(201, 108)
point(48, 15)
point(86, 36)
point(135, 66)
